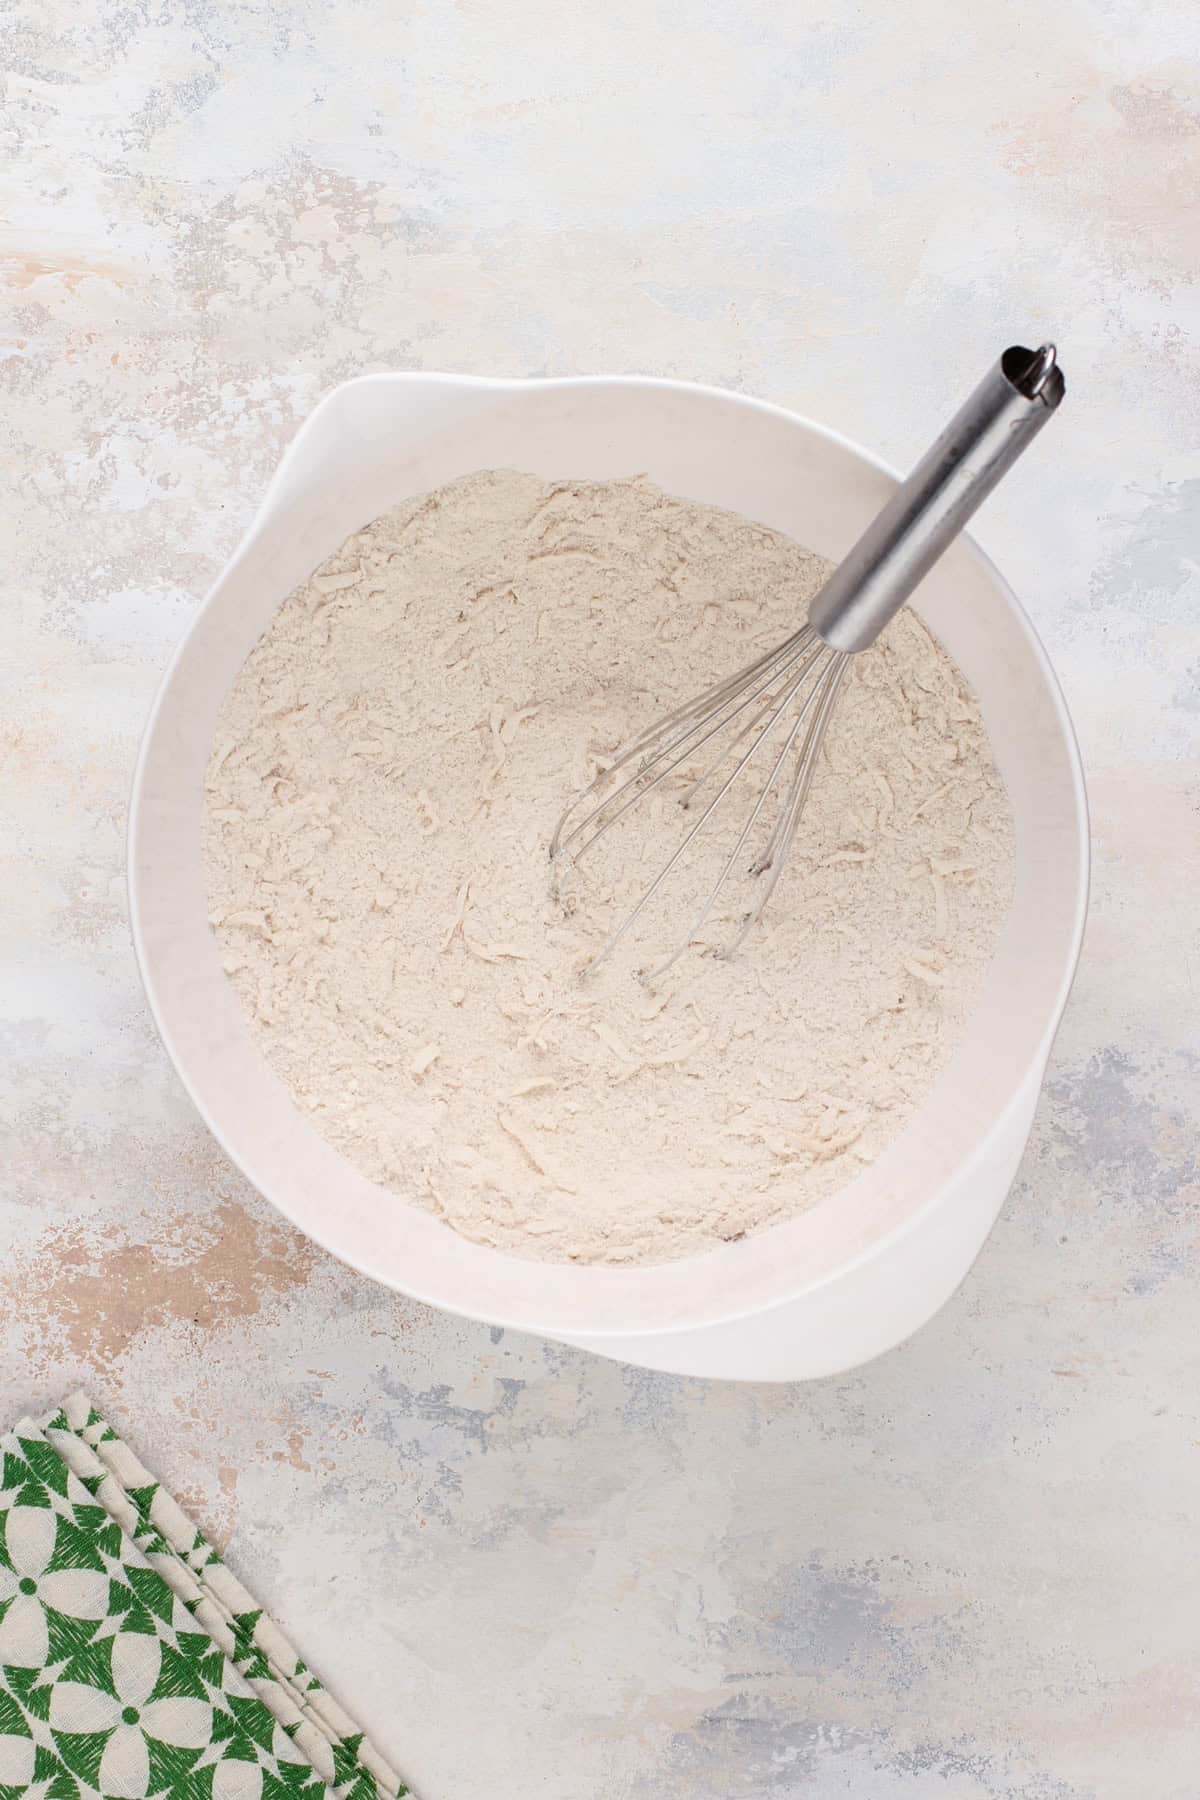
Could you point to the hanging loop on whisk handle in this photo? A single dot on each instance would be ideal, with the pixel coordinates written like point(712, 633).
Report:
point(927, 512)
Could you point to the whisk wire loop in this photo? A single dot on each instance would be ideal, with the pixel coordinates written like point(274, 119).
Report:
point(789, 689)
point(820, 697)
point(709, 718)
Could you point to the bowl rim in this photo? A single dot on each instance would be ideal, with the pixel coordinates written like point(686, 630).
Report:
point(796, 1285)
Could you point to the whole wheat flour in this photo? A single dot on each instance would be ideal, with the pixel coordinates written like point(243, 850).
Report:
point(387, 772)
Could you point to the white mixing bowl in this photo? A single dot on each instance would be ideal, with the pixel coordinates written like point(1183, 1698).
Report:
point(860, 1270)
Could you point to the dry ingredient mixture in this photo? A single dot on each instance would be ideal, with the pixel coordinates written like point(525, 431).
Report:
point(387, 773)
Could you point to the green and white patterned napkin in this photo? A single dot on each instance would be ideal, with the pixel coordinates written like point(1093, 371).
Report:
point(132, 1663)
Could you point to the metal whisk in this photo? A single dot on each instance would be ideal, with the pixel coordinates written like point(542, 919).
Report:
point(780, 704)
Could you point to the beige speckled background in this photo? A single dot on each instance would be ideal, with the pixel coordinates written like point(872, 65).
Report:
point(968, 1571)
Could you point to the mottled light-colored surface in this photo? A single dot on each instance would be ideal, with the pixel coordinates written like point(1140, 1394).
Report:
point(970, 1569)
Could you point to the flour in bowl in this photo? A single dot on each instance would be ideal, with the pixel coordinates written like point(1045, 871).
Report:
point(387, 773)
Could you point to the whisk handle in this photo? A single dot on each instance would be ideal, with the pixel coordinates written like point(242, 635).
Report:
point(927, 512)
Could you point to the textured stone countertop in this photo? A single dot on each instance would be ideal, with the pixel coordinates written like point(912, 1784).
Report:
point(970, 1569)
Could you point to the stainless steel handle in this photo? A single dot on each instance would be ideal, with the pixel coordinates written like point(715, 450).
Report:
point(927, 512)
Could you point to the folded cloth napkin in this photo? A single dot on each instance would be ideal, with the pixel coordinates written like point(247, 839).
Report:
point(132, 1663)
